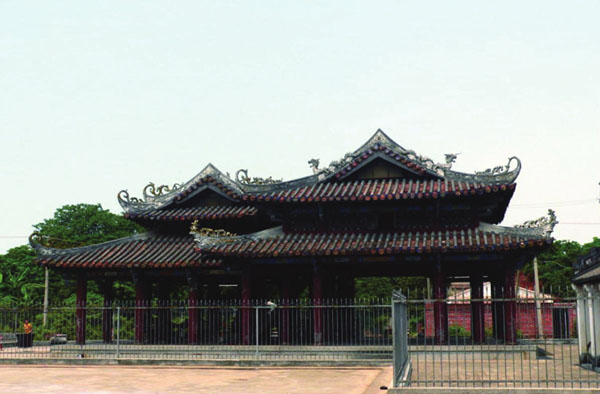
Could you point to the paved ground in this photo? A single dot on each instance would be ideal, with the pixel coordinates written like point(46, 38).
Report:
point(162, 379)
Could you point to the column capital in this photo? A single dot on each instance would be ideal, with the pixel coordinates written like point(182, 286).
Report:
point(136, 276)
point(192, 279)
point(578, 290)
point(592, 289)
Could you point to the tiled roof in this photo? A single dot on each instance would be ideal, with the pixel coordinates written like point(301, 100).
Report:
point(140, 251)
point(195, 213)
point(379, 147)
point(206, 181)
point(484, 238)
point(380, 189)
point(588, 276)
point(393, 154)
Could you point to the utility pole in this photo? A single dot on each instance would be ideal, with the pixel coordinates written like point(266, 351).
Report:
point(538, 303)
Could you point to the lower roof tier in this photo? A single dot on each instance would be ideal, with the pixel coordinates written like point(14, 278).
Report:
point(485, 237)
point(140, 251)
point(205, 250)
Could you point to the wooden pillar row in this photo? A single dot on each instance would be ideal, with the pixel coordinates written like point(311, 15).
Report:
point(510, 307)
point(106, 287)
point(284, 293)
point(246, 310)
point(142, 302)
point(81, 309)
point(193, 311)
point(498, 316)
point(477, 309)
point(317, 295)
point(440, 308)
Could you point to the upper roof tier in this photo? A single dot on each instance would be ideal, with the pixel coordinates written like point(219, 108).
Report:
point(412, 170)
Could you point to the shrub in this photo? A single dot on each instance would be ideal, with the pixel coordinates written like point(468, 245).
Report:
point(458, 331)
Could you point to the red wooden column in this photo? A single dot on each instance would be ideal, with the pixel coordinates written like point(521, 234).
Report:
point(107, 314)
point(317, 295)
point(284, 293)
point(193, 313)
point(477, 311)
point(246, 310)
point(510, 307)
point(141, 303)
point(80, 312)
point(440, 309)
point(498, 316)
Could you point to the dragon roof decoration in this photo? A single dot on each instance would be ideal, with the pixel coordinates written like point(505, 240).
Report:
point(206, 237)
point(380, 145)
point(544, 226)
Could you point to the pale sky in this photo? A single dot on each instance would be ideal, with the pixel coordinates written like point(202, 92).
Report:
point(99, 96)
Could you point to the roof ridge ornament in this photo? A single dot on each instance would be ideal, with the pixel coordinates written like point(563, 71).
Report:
point(151, 191)
point(499, 170)
point(206, 237)
point(545, 223)
point(449, 158)
point(127, 202)
point(498, 174)
point(246, 180)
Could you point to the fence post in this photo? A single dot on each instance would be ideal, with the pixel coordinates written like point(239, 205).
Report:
point(118, 330)
point(256, 316)
point(400, 340)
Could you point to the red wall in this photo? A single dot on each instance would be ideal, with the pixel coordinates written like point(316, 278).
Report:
point(459, 314)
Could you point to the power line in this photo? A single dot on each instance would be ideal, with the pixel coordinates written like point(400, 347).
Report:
point(582, 223)
point(555, 203)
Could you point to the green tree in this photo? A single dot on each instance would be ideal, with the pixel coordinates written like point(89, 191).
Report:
point(22, 280)
point(382, 287)
point(84, 224)
point(555, 265)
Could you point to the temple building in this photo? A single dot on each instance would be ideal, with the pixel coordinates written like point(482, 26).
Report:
point(380, 211)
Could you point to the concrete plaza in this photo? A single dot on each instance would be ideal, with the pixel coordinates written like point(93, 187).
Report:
point(167, 379)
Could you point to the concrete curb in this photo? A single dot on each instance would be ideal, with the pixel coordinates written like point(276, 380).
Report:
point(462, 390)
point(215, 363)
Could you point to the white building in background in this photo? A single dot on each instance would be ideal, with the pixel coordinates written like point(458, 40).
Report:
point(586, 283)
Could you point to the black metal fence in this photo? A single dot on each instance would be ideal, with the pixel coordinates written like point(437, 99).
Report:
point(523, 341)
point(457, 341)
point(340, 329)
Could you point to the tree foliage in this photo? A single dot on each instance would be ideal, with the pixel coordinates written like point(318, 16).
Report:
point(555, 265)
point(22, 280)
point(382, 287)
point(84, 224)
